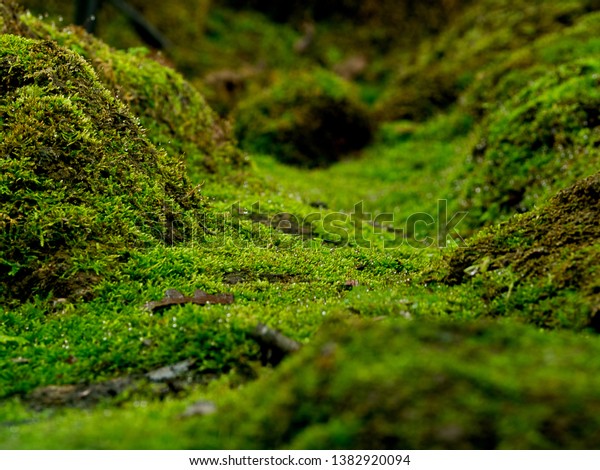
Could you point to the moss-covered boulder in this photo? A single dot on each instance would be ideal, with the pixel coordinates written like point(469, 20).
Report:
point(305, 118)
point(81, 182)
point(541, 267)
point(421, 385)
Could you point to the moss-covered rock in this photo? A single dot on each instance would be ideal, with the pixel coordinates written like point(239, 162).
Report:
point(541, 267)
point(421, 385)
point(81, 182)
point(306, 118)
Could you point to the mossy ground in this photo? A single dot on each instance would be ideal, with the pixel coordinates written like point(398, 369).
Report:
point(418, 330)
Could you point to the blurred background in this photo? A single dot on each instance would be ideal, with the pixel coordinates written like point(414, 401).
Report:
point(312, 80)
point(228, 48)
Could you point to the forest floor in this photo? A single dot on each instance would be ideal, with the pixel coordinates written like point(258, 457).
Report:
point(436, 288)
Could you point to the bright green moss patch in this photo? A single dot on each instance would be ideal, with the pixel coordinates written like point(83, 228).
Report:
point(74, 344)
point(81, 183)
point(398, 176)
point(111, 336)
point(307, 118)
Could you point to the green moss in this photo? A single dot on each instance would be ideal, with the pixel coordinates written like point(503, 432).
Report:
point(174, 114)
point(516, 69)
point(446, 64)
point(81, 182)
point(541, 140)
point(306, 118)
point(540, 267)
point(370, 385)
point(422, 385)
point(93, 184)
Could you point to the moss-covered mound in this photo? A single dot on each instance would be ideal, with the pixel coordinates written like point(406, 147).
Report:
point(513, 71)
point(422, 385)
point(446, 64)
point(541, 267)
point(306, 118)
point(543, 139)
point(174, 113)
point(81, 183)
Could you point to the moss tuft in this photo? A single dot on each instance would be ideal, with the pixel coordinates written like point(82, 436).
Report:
point(175, 115)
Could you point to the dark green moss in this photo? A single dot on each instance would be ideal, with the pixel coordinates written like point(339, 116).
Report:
point(240, 50)
point(421, 385)
point(306, 118)
point(181, 23)
point(389, 21)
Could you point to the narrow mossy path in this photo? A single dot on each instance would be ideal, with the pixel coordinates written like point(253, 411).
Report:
point(441, 278)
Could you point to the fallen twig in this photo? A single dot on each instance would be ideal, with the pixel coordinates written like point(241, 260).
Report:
point(174, 297)
point(274, 346)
